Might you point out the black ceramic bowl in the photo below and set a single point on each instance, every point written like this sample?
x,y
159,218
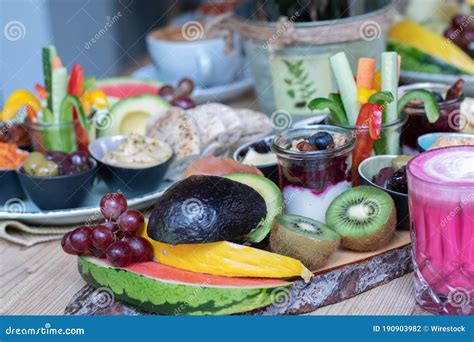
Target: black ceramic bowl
x,y
11,188
129,181
58,192
270,171
368,169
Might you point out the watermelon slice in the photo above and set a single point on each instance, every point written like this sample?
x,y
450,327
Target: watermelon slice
x,y
122,87
155,287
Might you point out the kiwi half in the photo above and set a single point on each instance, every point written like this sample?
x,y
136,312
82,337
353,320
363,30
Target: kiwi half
x,y
364,216
305,239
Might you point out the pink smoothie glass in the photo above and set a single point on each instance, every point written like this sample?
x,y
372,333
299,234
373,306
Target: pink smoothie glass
x,y
441,201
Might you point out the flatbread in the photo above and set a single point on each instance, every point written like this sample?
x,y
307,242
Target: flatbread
x,y
254,125
211,128
231,122
178,130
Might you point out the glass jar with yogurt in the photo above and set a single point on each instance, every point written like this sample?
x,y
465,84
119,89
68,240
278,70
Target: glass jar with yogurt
x,y
311,179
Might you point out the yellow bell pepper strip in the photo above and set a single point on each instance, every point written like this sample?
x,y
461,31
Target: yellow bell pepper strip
x,y
16,101
227,259
363,94
94,99
377,80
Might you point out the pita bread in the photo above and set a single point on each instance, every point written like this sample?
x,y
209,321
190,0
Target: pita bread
x,y
178,130
211,128
255,125
231,122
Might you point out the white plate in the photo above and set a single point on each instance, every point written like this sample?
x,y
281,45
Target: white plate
x,y
26,212
243,82
416,77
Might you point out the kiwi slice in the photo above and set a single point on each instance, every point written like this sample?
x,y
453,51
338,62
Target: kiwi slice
x,y
364,216
302,238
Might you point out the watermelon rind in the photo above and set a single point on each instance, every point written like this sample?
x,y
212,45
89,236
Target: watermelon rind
x,y
165,296
112,81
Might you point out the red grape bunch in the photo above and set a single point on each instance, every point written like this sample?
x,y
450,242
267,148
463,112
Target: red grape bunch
x,y
114,238
179,96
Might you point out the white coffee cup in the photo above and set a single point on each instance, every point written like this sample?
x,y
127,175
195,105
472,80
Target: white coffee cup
x,y
205,61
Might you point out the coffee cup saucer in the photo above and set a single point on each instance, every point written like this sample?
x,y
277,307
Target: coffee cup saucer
x,y
242,82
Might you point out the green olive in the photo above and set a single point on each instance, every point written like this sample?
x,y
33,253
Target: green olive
x,y
47,168
401,161
32,162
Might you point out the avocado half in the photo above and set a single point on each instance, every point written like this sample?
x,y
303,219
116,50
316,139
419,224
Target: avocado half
x,y
201,209
273,200
131,114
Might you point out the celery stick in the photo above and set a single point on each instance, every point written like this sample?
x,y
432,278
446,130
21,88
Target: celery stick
x,y
59,89
346,84
49,53
390,83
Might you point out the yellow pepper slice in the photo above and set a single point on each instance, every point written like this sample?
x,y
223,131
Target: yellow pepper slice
x,y
16,101
228,259
363,94
94,98
377,81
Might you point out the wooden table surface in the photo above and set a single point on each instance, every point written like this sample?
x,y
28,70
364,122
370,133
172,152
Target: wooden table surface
x,y
41,280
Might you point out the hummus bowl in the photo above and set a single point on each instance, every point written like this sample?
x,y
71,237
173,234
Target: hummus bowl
x,y
134,177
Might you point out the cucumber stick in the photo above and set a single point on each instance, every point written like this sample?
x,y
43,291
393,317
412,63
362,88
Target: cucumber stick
x,y
347,86
49,54
59,89
390,84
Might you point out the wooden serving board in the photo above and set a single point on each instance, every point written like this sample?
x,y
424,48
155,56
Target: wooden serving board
x,y
346,275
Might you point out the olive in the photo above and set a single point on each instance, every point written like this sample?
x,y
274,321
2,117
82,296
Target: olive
x,y
32,162
401,161
47,168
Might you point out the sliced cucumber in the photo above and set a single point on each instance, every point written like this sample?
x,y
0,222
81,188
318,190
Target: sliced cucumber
x,y
49,53
59,89
346,84
390,84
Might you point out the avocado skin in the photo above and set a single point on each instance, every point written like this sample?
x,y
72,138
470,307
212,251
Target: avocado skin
x,y
201,209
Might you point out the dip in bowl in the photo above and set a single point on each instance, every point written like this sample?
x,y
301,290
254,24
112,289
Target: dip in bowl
x,y
259,153
133,164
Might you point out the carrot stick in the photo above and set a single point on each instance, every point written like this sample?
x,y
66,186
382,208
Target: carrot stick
x,y
365,73
57,62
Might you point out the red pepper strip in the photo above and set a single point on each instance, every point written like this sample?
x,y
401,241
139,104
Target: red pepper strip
x,y
76,81
82,138
41,91
81,134
370,115
31,113
368,127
